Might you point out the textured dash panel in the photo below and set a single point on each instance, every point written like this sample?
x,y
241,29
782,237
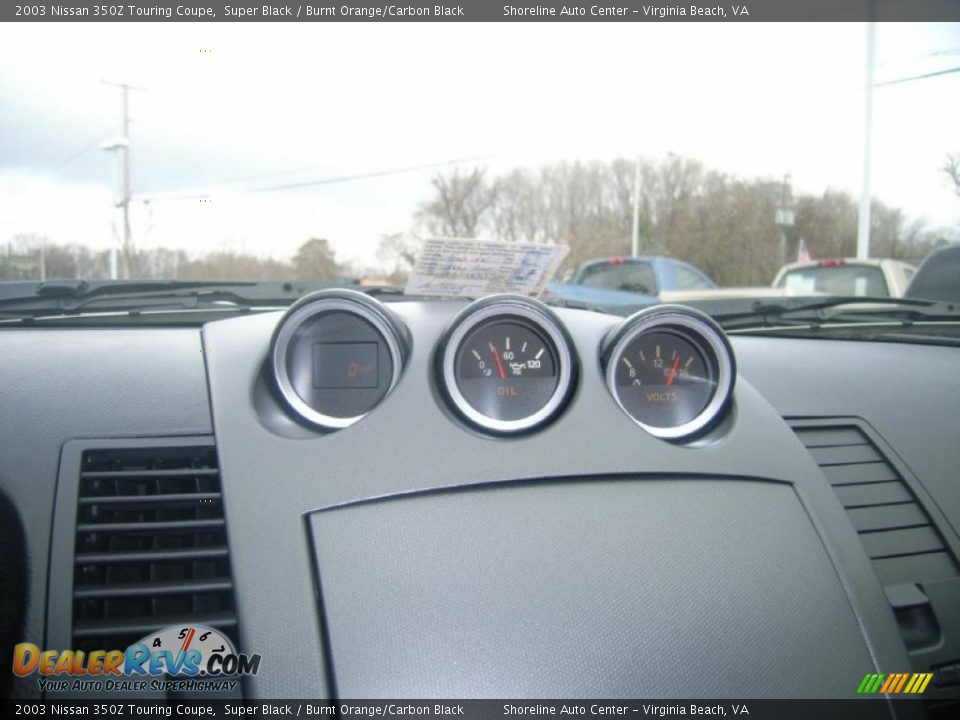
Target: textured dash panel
x,y
602,588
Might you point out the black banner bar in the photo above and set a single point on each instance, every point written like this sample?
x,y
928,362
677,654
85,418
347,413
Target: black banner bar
x,y
482,11
868,707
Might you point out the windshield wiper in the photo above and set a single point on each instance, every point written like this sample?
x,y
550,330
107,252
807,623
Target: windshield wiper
x,y
75,297
604,308
848,309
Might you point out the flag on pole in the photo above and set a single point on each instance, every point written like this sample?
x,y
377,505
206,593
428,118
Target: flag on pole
x,y
803,252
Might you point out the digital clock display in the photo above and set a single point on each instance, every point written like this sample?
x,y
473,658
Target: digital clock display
x,y
345,365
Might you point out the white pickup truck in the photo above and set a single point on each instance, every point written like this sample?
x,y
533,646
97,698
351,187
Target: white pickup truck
x,y
846,276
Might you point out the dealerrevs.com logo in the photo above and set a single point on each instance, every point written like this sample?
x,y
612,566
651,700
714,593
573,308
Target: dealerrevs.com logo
x,y
194,657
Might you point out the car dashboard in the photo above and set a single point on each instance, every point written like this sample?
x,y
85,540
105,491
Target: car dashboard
x,y
803,538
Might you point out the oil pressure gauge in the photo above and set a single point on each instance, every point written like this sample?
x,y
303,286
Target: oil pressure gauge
x,y
671,370
506,365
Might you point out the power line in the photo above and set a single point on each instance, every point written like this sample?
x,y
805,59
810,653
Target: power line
x,y
77,153
82,150
264,176
918,77
364,176
326,181
69,159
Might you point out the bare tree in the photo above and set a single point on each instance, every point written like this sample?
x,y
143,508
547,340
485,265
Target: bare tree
x,y
459,204
951,168
398,252
718,222
518,212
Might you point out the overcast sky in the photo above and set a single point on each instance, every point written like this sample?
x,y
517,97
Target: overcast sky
x,y
278,104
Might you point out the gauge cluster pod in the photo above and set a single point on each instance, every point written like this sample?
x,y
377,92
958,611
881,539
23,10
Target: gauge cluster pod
x,y
671,369
335,355
506,365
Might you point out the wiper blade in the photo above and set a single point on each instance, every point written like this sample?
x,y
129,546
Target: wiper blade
x,y
603,308
16,291
34,300
836,309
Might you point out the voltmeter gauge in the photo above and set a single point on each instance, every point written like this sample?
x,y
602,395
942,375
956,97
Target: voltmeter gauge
x,y
506,364
671,370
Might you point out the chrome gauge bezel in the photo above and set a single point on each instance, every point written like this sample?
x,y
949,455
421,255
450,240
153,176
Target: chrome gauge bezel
x,y
506,308
324,301
698,329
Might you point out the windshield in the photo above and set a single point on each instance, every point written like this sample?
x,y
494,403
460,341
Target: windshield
x,y
330,152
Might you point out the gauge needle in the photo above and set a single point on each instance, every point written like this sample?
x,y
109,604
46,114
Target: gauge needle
x,y
496,358
186,642
672,375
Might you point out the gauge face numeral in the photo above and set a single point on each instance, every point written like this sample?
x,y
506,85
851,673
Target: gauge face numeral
x,y
199,639
502,383
670,389
671,370
507,365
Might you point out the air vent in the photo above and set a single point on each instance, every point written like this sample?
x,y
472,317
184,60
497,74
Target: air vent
x,y
151,546
896,531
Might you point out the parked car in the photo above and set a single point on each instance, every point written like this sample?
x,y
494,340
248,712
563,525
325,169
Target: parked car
x,y
617,282
644,275
640,280
938,277
846,276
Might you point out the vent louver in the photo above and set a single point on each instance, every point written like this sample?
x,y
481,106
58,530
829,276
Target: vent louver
x,y
896,531
151,546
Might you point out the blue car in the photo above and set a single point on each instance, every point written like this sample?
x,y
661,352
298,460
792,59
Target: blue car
x,y
620,281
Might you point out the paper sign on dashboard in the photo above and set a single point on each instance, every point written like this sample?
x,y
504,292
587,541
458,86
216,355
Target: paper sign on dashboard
x,y
453,267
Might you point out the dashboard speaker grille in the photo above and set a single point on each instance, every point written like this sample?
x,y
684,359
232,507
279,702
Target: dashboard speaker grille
x,y
151,546
898,534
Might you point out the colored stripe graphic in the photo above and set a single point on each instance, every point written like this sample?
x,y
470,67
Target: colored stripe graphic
x,y
913,682
894,683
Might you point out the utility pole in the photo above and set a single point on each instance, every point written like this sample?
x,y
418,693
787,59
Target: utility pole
x,y
635,245
863,223
124,202
784,217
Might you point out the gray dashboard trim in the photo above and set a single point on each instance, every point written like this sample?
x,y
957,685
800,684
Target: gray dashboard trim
x,y
63,383
920,492
909,393
942,596
578,577
410,444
